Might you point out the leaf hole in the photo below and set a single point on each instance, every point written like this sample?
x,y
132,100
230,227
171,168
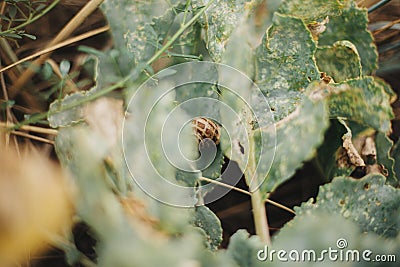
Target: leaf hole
x,y
367,186
241,147
342,202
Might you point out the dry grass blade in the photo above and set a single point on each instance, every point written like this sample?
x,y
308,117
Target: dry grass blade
x,y
57,46
31,128
74,23
33,137
386,27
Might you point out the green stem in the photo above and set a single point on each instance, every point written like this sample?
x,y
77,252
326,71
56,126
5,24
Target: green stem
x,y
257,202
260,217
186,11
37,117
178,33
184,56
41,14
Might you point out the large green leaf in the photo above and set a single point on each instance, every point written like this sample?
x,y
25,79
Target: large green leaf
x,y
383,148
298,137
340,61
395,154
189,45
310,10
221,19
285,63
108,71
69,115
243,249
209,222
362,100
368,202
82,152
250,105
352,26
138,27
309,237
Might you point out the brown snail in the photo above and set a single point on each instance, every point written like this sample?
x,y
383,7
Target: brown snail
x,y
206,128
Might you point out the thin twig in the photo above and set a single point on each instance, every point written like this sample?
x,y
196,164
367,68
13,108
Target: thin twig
x,y
33,137
387,26
276,204
37,117
58,46
8,110
378,5
32,128
205,179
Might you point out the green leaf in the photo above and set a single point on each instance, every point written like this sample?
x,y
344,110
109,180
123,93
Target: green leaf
x,y
126,17
189,45
239,53
368,202
285,64
148,37
340,61
108,72
209,222
46,71
64,112
221,19
10,35
160,136
300,133
30,36
65,66
362,100
352,26
310,10
313,233
388,90
7,104
213,171
383,148
12,11
395,154
243,249
139,29
81,152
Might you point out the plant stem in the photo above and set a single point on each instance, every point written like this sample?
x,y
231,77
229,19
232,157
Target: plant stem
x,y
41,14
186,12
75,104
260,217
276,204
257,202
